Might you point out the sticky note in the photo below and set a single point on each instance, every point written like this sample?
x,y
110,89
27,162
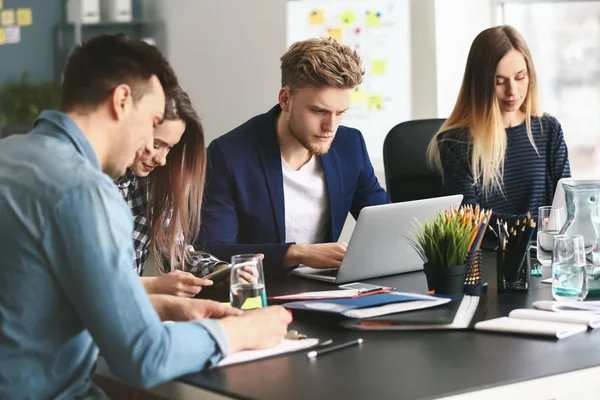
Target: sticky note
x,y
375,102
13,34
7,17
357,95
373,19
335,33
316,17
24,17
2,36
250,303
378,67
347,18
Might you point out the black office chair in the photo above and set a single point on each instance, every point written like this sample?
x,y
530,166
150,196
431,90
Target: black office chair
x,y
407,175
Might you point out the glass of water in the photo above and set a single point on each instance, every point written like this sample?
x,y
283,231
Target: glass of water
x,y
569,279
550,221
247,289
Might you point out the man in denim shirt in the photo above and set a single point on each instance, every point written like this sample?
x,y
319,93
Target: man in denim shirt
x,y
67,289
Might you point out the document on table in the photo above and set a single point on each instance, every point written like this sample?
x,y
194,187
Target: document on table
x,y
286,346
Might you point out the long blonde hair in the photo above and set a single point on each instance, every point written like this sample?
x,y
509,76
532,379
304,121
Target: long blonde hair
x,y
478,111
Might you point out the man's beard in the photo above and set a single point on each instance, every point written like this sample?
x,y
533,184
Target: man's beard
x,y
315,148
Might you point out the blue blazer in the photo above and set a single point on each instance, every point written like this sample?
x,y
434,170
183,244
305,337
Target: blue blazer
x,y
243,207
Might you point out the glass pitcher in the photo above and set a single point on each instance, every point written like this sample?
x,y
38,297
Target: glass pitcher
x,y
583,218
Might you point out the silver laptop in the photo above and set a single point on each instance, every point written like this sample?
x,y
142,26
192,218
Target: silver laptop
x,y
379,244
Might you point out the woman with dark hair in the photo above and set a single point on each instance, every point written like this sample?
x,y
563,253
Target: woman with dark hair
x,y
498,148
163,188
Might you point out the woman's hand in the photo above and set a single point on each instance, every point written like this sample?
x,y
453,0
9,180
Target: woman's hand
x,y
176,283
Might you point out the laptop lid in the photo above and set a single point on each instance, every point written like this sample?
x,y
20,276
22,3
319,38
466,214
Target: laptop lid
x,y
379,245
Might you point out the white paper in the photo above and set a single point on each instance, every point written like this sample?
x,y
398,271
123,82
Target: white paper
x,y
570,317
558,330
286,346
13,34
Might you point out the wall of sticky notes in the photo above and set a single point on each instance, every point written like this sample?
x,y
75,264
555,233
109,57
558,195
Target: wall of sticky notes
x,y
380,31
26,38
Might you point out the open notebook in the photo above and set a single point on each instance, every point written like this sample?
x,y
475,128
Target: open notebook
x,y
553,324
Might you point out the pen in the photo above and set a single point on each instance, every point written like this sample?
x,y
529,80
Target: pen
x,y
315,353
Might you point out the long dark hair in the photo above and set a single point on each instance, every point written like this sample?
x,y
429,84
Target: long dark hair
x,y
177,188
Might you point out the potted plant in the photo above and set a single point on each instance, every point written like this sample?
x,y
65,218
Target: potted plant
x,y
443,244
22,102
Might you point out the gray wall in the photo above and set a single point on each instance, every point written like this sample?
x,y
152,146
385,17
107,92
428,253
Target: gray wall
x,y
226,54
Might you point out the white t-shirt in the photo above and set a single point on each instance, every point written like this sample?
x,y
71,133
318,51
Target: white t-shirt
x,y
306,203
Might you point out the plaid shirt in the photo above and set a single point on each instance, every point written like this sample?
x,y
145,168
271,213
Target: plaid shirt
x,y
136,191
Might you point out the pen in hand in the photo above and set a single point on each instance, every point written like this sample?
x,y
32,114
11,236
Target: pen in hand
x,y
313,354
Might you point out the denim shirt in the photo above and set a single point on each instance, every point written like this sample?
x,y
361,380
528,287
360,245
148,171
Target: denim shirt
x,y
67,289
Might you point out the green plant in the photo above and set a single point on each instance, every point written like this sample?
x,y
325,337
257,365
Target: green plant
x,y
445,241
23,100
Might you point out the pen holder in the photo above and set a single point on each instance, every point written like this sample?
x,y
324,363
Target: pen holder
x,y
513,271
474,286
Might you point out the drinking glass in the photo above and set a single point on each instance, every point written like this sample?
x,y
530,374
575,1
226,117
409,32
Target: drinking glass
x,y
569,279
247,290
550,221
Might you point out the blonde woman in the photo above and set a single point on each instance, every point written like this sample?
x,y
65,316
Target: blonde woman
x,y
498,148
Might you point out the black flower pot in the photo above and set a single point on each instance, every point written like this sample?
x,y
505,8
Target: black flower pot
x,y
446,280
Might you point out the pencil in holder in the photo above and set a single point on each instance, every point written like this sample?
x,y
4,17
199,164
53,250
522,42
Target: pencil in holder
x,y
513,271
474,285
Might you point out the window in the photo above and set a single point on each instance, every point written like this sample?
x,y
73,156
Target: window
x,y
564,39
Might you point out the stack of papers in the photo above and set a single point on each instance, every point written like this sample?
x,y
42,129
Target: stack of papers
x,y
328,294
372,305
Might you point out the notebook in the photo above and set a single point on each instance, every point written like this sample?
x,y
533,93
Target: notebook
x,y
286,346
370,306
590,307
461,313
513,325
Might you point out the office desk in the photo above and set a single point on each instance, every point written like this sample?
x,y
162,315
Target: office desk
x,y
405,365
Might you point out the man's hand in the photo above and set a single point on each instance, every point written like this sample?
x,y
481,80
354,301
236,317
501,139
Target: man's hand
x,y
176,283
257,329
322,255
171,308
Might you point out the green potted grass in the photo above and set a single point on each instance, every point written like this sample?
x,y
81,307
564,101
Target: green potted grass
x,y
22,100
443,244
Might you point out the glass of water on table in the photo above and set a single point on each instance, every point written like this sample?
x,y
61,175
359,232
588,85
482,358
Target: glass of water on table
x,y
247,290
569,278
550,222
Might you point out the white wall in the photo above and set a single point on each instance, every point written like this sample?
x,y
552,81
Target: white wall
x,y
457,23
423,59
226,54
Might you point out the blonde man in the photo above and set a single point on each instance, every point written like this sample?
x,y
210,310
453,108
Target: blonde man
x,y
283,183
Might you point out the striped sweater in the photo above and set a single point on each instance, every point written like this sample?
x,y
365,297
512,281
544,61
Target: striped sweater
x,y
530,177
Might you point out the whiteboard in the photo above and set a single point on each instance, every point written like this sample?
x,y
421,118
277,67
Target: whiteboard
x,y
379,30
